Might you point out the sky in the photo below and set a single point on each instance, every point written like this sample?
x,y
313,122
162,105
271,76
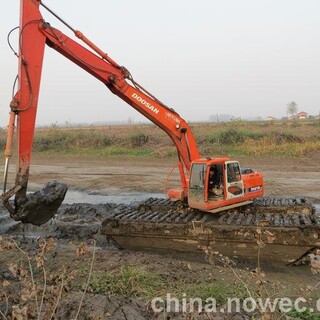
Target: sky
x,y
245,58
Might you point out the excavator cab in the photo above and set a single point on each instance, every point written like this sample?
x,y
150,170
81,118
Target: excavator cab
x,y
218,184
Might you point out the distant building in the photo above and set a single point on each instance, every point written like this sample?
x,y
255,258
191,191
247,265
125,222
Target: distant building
x,y
301,115
269,118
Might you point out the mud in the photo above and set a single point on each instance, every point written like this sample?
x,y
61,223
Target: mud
x,y
80,221
104,307
111,182
41,206
283,177
130,181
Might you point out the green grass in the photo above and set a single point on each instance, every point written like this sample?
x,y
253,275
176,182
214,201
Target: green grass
x,y
306,315
139,283
221,292
128,281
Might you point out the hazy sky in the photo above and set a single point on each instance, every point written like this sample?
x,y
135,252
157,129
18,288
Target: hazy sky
x,y
204,57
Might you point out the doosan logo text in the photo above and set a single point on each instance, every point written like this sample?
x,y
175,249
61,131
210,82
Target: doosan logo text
x,y
145,103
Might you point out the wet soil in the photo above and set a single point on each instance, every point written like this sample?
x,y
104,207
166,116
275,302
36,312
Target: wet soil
x,y
283,176
127,180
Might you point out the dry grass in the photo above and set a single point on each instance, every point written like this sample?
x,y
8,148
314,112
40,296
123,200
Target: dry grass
x,y
281,138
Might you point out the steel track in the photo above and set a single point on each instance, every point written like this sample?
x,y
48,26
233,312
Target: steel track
x,y
289,228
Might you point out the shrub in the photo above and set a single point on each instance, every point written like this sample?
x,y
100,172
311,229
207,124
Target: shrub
x,y
139,139
281,137
66,139
231,136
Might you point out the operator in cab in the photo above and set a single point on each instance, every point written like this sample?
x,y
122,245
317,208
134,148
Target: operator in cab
x,y
215,187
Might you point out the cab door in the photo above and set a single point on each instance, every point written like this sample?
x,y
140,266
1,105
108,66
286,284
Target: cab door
x,y
196,196
233,181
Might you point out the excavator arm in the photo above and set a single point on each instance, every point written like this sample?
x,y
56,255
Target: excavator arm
x,y
35,33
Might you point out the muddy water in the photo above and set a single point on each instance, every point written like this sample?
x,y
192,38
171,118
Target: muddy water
x,y
75,196
79,217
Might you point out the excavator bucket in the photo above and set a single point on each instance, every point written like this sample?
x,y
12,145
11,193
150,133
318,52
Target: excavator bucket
x,y
39,207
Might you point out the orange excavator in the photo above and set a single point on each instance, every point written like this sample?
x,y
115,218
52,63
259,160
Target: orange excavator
x,y
290,227
231,187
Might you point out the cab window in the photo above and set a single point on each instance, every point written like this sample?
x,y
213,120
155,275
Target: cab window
x,y
233,172
198,176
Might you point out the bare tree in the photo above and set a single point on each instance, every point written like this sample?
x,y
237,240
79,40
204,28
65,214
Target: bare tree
x,y
292,108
